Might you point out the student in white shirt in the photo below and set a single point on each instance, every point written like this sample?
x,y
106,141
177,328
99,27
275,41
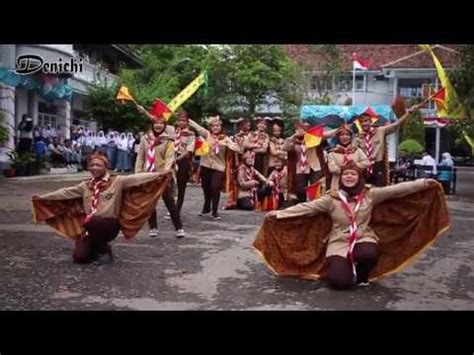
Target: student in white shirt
x,y
428,160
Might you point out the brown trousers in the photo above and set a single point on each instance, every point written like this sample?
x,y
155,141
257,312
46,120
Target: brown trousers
x,y
339,270
100,232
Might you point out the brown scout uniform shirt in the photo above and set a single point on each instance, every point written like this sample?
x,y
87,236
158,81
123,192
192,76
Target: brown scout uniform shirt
x,y
336,161
109,199
378,141
338,242
211,160
275,144
164,153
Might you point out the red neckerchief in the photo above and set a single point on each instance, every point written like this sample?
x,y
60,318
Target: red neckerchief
x,y
368,147
97,187
351,215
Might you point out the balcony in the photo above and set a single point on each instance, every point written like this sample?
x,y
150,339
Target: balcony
x,y
92,74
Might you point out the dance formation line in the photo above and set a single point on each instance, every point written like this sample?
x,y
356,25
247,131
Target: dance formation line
x,y
348,232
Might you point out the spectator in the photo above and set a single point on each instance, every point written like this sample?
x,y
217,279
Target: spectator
x,y
70,154
122,153
46,134
445,176
428,160
131,152
36,133
26,134
101,142
136,146
56,153
89,144
39,147
404,164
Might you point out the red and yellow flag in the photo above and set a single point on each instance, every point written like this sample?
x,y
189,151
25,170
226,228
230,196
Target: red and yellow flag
x,y
201,147
368,112
124,95
313,191
439,99
313,136
453,107
160,109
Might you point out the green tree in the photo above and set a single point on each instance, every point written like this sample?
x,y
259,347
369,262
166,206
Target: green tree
x,y
257,74
241,77
411,146
462,78
414,129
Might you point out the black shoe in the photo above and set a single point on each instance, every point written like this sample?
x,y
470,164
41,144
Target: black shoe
x,y
204,214
104,259
216,217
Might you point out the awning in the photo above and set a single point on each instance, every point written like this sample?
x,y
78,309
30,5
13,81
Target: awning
x,y
437,122
335,115
50,88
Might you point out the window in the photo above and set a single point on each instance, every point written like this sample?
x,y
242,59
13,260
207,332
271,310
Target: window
x,y
45,119
359,82
412,89
47,115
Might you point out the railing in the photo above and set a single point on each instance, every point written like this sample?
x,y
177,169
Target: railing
x,y
93,74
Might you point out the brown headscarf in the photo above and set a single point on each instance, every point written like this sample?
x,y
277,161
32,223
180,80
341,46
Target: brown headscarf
x,y
355,190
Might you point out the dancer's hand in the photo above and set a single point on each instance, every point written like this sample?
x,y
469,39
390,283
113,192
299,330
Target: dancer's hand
x,y
431,182
271,214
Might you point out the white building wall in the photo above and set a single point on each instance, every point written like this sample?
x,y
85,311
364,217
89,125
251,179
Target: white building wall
x,y
21,105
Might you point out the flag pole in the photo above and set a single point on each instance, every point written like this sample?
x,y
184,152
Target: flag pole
x,y
353,83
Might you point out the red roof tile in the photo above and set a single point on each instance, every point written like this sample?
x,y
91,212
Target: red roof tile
x,y
380,55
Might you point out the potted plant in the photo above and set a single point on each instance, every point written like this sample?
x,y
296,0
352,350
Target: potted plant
x,y
22,163
29,159
37,165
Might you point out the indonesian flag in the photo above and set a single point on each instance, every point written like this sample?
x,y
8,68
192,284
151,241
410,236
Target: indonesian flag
x,y
160,109
313,136
313,191
201,146
360,63
439,99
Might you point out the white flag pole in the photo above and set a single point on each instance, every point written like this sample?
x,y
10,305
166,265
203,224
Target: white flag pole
x,y
353,83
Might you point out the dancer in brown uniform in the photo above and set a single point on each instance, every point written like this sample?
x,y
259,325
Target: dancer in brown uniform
x,y
275,146
155,154
358,234
93,212
310,162
212,165
343,153
258,141
184,142
372,141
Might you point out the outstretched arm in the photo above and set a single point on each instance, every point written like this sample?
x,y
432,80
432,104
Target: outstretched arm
x,y
66,193
322,204
329,134
140,178
393,127
381,194
199,129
